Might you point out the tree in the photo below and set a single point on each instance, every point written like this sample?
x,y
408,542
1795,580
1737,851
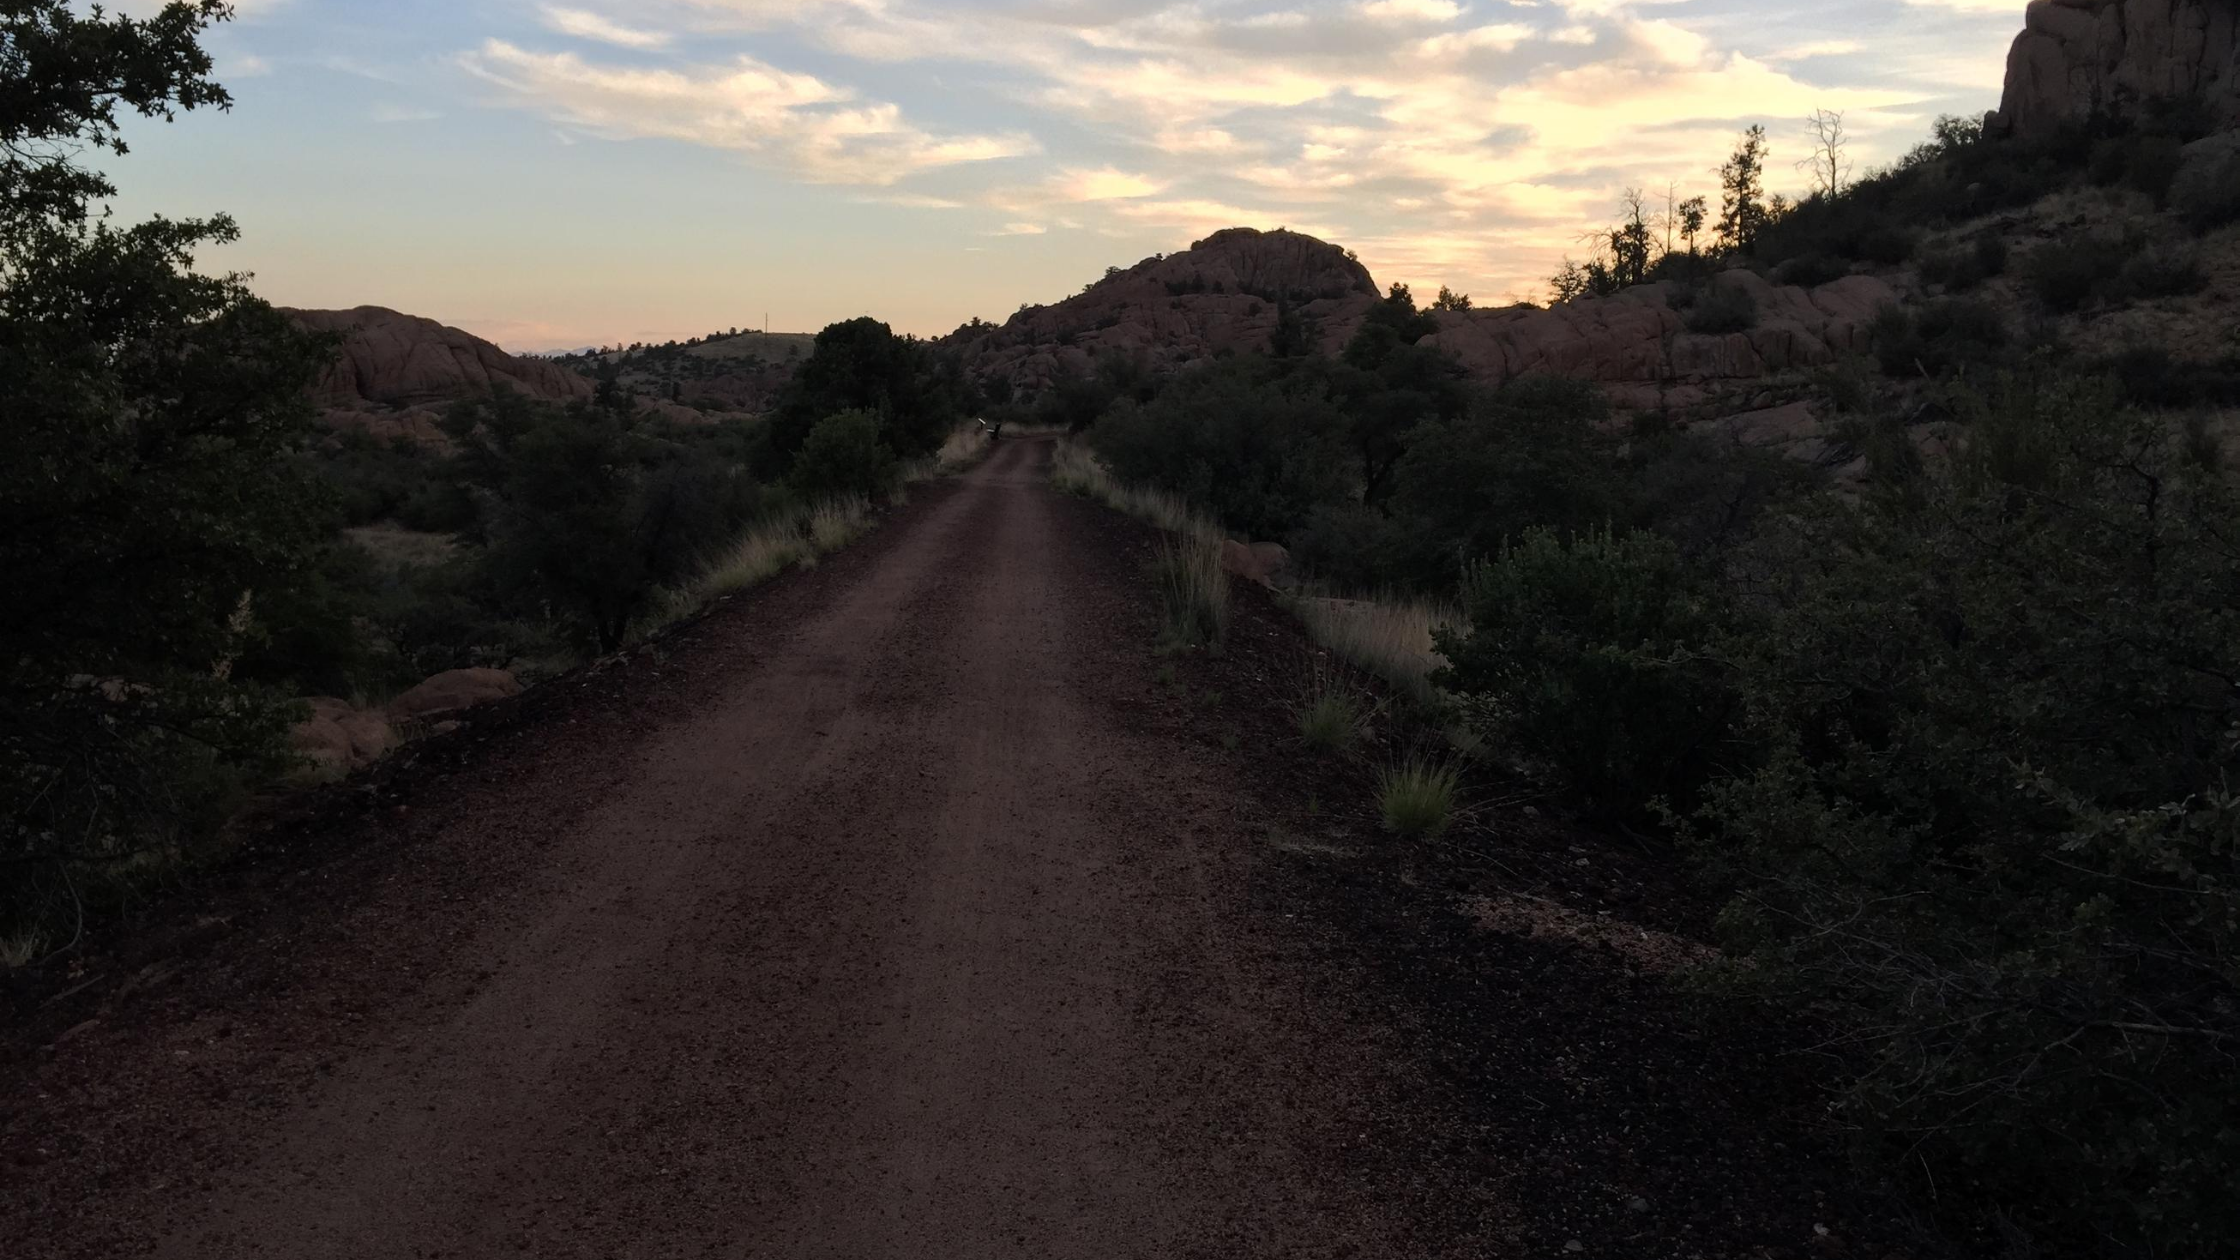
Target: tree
x,y
1569,284
1290,339
1693,211
1449,300
1632,243
1742,207
918,391
1828,165
149,507
587,518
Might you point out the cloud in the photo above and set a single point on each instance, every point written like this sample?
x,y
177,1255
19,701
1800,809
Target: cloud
x,y
1107,184
586,25
798,123
1413,10
1476,138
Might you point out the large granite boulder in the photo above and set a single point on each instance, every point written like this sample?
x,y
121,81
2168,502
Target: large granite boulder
x,y
405,361
2079,58
453,692
341,737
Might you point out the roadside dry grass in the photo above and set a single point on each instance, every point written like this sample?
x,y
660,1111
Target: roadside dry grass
x,y
1389,638
1193,587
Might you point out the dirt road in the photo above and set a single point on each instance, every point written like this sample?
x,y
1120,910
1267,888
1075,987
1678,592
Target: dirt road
x,y
866,922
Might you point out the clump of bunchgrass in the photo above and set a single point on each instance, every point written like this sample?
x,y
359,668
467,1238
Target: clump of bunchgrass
x,y
1417,796
1332,713
762,553
1193,589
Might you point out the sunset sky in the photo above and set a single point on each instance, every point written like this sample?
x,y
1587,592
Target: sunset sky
x,y
553,175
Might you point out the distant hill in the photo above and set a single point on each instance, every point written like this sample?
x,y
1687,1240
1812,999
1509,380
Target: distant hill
x,y
1222,295
722,372
395,372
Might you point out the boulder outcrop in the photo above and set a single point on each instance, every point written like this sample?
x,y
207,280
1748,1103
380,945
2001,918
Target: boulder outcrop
x,y
1636,344
2079,58
340,736
453,692
1225,293
399,360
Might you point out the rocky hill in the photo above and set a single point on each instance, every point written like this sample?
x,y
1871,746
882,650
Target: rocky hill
x,y
393,370
1224,293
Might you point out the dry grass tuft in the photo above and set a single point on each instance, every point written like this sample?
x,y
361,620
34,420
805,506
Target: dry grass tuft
x,y
1192,584
1417,796
1389,639
772,547
1194,589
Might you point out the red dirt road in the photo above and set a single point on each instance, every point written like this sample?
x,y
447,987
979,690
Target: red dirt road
x,y
864,920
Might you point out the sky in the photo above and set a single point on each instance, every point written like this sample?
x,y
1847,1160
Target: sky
x,y
553,175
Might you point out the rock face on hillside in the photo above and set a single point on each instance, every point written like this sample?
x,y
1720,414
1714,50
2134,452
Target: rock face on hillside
x,y
2078,58
1637,346
404,361
1222,294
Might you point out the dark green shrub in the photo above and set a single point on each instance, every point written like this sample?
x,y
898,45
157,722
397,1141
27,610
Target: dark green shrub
x,y
2153,166
1587,657
2067,274
1994,840
842,456
1720,309
1532,453
2173,271
2149,377
2111,157
586,519
1966,267
2206,192
1257,443
1811,270
1886,243
1939,338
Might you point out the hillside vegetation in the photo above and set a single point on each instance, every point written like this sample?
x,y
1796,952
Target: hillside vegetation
x,y
189,552
1943,711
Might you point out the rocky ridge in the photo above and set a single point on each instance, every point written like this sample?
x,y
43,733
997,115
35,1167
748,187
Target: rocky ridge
x,y
1225,294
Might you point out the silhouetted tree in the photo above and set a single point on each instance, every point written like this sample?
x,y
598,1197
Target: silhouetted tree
x,y
1742,206
149,504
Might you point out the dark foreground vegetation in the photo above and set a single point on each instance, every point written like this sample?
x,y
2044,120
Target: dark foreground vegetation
x,y
1946,721
187,553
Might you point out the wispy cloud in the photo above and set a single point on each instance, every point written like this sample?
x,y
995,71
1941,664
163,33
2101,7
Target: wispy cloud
x,y
584,24
814,130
